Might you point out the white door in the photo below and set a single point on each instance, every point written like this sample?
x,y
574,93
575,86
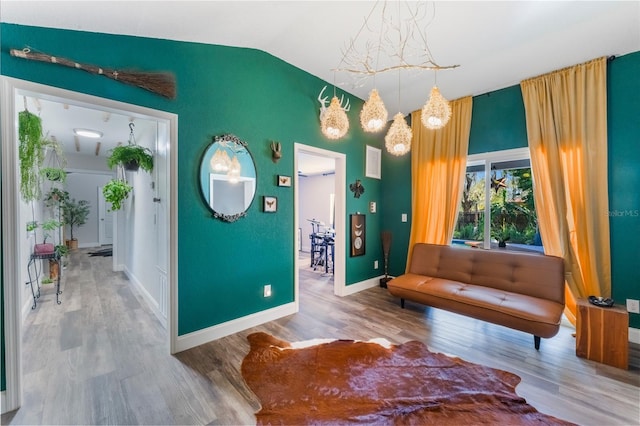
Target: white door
x,y
105,221
161,199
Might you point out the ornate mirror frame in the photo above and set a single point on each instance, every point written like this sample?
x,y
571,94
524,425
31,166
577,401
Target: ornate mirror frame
x,y
231,147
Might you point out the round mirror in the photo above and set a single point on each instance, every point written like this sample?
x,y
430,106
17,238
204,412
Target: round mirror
x,y
228,177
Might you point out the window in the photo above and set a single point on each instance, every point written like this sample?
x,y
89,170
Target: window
x,y
502,181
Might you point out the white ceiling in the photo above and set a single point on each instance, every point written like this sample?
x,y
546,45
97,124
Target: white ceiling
x,y
496,44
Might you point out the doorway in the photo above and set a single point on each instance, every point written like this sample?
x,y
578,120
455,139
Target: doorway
x,y
335,213
12,220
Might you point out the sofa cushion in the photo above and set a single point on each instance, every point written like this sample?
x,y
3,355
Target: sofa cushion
x,y
523,306
529,274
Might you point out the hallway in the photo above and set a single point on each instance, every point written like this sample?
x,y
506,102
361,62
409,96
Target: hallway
x,y
101,357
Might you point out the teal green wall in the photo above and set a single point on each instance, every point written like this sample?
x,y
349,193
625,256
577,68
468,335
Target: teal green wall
x,y
222,267
498,123
623,105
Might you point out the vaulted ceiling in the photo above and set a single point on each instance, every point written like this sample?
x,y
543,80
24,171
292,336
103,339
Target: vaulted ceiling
x,y
496,44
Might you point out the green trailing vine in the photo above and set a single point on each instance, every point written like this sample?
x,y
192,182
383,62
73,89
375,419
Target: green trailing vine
x,y
31,154
115,192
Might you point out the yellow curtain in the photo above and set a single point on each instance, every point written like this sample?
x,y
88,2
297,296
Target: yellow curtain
x,y
566,114
438,165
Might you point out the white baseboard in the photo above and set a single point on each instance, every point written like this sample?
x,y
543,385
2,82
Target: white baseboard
x,y
362,285
149,300
197,338
634,335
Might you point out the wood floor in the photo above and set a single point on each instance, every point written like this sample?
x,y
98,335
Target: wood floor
x,y
101,357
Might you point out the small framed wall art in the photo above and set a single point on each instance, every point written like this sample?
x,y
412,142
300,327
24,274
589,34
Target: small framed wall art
x,y
358,228
269,204
284,180
373,160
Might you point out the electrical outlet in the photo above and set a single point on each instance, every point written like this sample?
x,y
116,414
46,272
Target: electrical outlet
x,y
375,264
633,306
267,290
404,217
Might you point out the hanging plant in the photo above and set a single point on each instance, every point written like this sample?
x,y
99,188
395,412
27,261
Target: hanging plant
x,y
52,167
32,226
131,157
115,192
30,153
53,174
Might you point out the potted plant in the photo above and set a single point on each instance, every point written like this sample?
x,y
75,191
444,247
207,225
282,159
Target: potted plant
x,y
131,157
47,227
502,235
115,192
46,281
74,214
61,250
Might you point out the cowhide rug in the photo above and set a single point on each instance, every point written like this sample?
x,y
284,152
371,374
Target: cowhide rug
x,y
350,382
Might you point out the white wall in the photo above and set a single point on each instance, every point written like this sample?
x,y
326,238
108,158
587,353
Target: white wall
x,y
84,186
313,203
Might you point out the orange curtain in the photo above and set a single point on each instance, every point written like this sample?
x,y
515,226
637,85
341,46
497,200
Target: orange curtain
x,y
438,165
566,114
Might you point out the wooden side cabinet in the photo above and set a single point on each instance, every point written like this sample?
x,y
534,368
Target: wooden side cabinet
x,y
602,334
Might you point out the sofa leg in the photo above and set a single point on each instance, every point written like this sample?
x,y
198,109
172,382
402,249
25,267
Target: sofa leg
x,y
536,342
402,303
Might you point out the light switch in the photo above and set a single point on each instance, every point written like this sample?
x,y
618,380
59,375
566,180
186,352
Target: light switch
x,y
404,217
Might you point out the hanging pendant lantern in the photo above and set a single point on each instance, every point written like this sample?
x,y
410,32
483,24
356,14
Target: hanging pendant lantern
x,y
374,114
398,139
436,112
334,122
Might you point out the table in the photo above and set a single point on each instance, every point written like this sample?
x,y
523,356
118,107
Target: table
x,y
33,265
602,334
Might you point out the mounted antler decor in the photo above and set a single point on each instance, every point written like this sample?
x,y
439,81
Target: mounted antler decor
x,y
162,84
276,151
334,122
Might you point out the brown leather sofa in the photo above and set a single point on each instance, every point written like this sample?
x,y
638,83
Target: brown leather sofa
x,y
523,291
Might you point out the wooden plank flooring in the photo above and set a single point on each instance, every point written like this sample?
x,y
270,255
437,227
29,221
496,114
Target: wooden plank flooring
x,y
101,357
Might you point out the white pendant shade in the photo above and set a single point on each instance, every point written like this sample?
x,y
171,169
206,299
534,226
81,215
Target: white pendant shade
x,y
334,123
398,139
436,112
373,115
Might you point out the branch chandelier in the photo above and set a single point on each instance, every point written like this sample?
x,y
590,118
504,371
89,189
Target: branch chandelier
x,y
396,44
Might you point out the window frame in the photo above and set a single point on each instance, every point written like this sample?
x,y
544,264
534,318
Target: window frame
x,y
487,159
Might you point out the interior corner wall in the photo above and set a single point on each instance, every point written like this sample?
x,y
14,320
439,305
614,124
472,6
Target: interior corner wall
x,y
246,92
498,123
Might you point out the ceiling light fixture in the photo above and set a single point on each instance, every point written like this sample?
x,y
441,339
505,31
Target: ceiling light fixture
x,y
88,133
334,122
436,111
411,52
373,115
